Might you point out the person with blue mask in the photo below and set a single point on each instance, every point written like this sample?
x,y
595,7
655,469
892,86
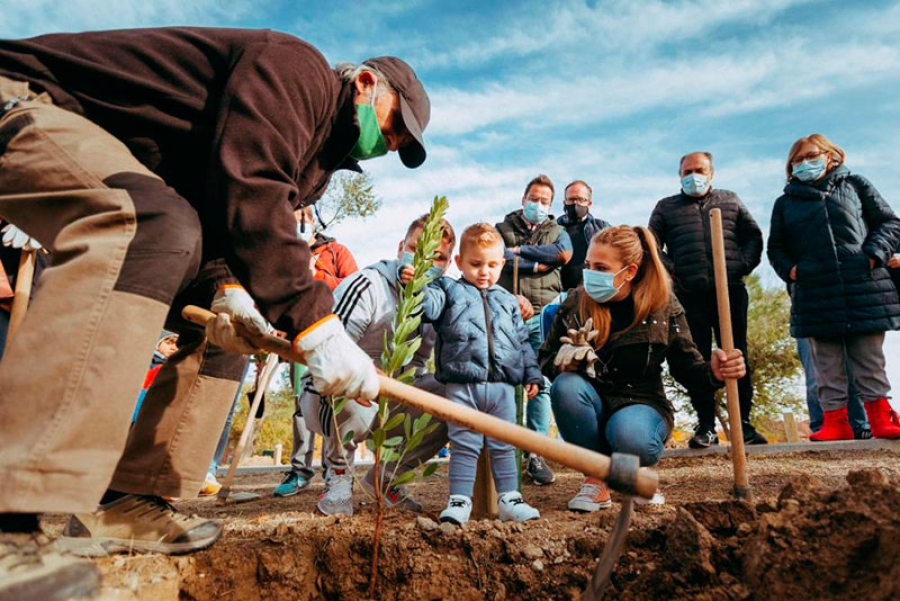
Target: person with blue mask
x,y
608,393
831,237
537,247
682,228
366,302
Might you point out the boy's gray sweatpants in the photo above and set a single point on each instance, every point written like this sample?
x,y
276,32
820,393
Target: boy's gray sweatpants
x,y
493,398
320,418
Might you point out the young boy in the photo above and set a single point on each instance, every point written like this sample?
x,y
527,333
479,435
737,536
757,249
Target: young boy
x,y
482,354
366,303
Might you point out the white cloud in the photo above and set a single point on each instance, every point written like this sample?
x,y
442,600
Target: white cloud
x,y
37,17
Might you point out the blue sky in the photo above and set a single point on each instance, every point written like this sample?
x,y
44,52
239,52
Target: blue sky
x,y
612,92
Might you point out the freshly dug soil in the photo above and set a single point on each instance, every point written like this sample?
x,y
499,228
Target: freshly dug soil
x,y
821,526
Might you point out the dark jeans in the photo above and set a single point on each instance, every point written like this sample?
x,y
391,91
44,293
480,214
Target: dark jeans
x,y
702,314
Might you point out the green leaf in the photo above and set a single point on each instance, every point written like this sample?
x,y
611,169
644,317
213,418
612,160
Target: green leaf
x,y
393,441
407,426
430,469
421,422
348,437
395,421
403,478
339,405
370,445
389,455
378,438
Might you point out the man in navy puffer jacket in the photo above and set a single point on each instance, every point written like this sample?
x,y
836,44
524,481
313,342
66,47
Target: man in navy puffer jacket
x,y
482,354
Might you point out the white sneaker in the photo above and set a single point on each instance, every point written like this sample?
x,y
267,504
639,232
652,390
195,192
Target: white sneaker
x,y
458,510
514,509
658,498
337,498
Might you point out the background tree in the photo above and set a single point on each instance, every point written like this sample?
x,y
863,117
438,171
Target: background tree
x,y
777,371
349,195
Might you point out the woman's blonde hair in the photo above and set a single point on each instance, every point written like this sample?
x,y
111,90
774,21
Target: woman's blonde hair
x,y
651,286
834,152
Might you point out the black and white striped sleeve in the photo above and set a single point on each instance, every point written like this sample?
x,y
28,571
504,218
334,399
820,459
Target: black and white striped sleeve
x,y
355,304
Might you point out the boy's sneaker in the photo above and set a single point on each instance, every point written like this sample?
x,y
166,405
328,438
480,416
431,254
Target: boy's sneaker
x,y
337,498
31,569
137,523
293,483
394,496
538,470
211,486
593,496
514,509
458,510
703,438
658,498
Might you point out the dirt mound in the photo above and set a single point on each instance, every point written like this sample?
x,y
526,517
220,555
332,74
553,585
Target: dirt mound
x,y
817,539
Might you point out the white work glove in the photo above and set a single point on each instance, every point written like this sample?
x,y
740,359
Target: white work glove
x,y
234,306
16,238
337,365
578,348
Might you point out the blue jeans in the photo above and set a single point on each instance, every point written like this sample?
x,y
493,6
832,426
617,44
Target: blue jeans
x,y
855,410
537,412
583,420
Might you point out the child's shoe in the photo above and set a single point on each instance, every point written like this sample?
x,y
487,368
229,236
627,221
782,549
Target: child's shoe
x,y
458,510
337,498
883,419
593,496
835,426
514,509
211,486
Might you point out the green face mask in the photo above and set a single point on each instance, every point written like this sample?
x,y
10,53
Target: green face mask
x,y
371,142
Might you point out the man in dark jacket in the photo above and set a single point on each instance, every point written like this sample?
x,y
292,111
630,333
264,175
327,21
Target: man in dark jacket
x,y
581,227
682,228
136,157
536,248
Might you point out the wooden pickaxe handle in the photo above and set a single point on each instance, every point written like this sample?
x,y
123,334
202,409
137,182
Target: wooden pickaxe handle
x,y
585,461
739,458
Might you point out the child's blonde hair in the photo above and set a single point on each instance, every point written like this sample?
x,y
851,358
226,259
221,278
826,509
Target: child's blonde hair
x,y
481,235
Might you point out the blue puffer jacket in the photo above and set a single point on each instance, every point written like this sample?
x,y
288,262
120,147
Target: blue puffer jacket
x,y
480,334
830,229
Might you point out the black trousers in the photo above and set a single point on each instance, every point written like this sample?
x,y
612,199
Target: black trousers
x,y
702,314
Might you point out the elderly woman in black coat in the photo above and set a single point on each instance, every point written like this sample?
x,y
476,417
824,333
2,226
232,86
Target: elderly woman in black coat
x,y
831,236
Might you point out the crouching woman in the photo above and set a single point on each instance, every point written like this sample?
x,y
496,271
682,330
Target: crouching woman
x,y
608,393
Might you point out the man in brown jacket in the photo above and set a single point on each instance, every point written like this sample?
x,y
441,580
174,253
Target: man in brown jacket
x,y
161,167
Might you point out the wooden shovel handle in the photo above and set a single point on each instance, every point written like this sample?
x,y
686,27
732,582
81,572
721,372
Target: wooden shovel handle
x,y
585,461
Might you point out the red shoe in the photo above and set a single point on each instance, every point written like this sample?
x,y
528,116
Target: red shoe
x,y
835,426
882,419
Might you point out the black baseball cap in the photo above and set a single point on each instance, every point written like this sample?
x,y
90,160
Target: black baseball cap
x,y
415,107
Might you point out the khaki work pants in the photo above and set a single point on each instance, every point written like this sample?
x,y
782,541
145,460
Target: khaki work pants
x,y
124,248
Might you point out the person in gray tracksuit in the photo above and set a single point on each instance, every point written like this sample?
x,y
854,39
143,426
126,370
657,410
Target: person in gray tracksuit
x,y
366,303
482,353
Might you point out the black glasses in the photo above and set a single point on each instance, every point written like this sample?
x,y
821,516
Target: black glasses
x,y
578,200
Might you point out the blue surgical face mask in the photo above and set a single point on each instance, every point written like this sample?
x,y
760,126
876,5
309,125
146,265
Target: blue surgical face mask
x,y
809,170
536,212
434,272
599,284
694,184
